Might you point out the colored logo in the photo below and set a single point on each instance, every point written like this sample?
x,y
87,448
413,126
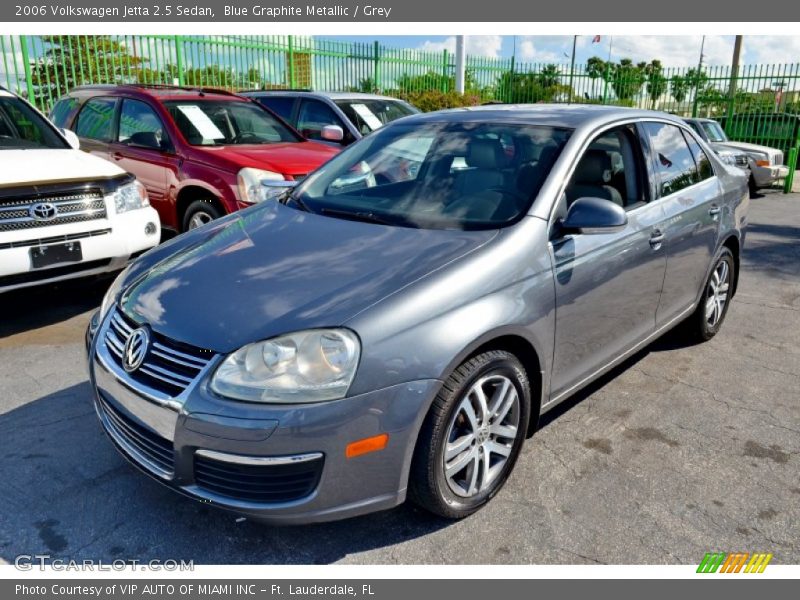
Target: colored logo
x,y
734,562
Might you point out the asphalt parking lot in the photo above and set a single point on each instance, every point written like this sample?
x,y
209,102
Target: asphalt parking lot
x,y
680,451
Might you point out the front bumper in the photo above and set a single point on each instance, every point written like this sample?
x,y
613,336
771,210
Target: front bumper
x,y
766,176
173,440
106,246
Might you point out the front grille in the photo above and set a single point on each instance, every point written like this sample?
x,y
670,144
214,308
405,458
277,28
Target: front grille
x,y
777,158
54,239
169,366
16,213
154,448
258,483
43,274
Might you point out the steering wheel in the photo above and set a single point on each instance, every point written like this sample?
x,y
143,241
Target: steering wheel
x,y
245,135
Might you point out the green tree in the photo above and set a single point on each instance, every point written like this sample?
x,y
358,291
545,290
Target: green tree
x,y
69,61
656,81
549,76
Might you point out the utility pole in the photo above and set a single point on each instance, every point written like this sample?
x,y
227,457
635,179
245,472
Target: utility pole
x,y
460,63
697,78
572,67
737,53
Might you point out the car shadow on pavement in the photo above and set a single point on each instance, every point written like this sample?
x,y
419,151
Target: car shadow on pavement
x,y
36,307
68,493
674,339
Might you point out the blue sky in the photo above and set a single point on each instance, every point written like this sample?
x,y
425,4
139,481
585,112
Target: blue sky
x,y
673,51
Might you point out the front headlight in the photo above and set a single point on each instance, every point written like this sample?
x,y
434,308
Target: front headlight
x,y
256,185
307,366
112,294
130,197
728,158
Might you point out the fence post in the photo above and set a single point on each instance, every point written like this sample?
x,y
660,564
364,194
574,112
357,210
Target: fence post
x,y
376,72
291,62
179,59
26,62
792,164
445,64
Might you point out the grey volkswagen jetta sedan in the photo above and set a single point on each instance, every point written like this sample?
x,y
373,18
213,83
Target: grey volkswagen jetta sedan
x,y
396,324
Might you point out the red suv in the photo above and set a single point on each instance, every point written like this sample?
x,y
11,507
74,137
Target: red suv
x,y
200,153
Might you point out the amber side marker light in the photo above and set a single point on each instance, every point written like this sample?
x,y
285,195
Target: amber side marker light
x,y
762,163
370,444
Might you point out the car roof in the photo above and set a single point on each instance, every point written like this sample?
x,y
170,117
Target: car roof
x,y
162,92
329,95
555,115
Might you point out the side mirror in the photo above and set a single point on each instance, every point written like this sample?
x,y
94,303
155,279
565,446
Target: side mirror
x,y
145,139
332,133
72,139
595,215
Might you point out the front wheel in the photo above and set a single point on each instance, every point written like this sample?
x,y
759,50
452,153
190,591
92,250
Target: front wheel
x,y
198,213
710,313
472,435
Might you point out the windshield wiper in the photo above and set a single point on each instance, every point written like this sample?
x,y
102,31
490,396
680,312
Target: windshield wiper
x,y
367,217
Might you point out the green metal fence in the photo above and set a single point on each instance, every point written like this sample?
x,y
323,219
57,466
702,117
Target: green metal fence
x,y
757,103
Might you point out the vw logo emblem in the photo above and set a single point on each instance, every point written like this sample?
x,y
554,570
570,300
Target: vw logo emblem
x,y
43,211
135,349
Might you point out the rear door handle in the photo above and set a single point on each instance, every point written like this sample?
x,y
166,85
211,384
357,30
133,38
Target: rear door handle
x,y
714,210
656,239
117,155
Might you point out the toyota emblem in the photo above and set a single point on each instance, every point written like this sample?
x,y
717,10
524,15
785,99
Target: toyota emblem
x,y
135,349
43,211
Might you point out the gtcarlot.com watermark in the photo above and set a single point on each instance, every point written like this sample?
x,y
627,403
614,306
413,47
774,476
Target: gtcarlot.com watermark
x,y
30,562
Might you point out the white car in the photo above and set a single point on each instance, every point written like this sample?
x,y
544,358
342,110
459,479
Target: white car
x,y
63,212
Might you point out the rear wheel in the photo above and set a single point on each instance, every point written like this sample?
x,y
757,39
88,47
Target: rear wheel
x,y
710,313
198,213
472,435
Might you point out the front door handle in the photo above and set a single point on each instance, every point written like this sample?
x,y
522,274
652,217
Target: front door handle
x,y
656,239
117,155
714,210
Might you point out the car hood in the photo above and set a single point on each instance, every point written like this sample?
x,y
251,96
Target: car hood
x,y
290,158
746,147
273,269
52,165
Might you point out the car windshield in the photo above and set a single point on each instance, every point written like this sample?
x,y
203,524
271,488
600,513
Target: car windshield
x,y
369,115
224,123
714,132
437,175
21,127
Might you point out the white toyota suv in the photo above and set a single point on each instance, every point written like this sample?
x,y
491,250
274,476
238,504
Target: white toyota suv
x,y
63,212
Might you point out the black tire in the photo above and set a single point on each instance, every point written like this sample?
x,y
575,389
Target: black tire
x,y
753,188
428,486
200,209
698,327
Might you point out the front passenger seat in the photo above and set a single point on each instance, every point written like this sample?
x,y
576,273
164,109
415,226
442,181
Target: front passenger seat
x,y
485,157
592,177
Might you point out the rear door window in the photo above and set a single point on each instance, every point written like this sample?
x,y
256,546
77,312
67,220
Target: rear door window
x,y
673,161
280,105
96,119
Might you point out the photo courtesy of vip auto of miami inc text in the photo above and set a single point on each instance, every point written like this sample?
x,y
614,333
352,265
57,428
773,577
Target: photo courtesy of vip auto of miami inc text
x,y
324,299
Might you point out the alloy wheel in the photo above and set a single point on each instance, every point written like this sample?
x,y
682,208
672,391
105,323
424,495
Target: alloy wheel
x,y
199,219
717,293
481,435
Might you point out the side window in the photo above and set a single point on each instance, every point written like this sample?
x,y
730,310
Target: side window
x,y
62,112
314,115
704,168
96,119
611,168
139,125
280,105
673,161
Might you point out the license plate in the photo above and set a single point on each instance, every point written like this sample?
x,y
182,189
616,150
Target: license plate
x,y
45,256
